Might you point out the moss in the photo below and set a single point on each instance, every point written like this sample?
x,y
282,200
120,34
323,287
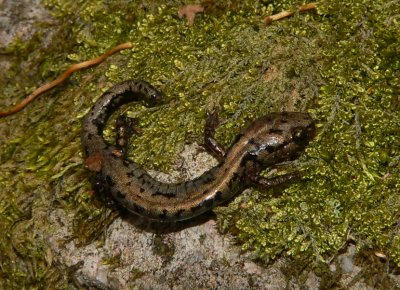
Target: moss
x,y
113,261
352,183
340,69
163,249
136,274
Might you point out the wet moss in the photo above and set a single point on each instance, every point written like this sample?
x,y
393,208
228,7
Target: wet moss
x,y
341,69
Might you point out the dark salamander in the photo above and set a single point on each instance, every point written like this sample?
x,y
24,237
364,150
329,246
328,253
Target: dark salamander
x,y
268,140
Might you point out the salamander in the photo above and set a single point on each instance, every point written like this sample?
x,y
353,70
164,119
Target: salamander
x,y
271,139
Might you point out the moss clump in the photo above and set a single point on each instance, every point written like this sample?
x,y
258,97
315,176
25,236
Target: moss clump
x,y
341,69
163,249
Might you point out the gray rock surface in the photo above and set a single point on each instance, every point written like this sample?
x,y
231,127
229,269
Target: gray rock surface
x,y
17,20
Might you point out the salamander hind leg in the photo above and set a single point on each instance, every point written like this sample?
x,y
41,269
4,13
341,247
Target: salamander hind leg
x,y
125,128
101,190
210,143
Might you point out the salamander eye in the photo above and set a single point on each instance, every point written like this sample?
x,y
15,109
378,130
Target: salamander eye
x,y
299,135
155,97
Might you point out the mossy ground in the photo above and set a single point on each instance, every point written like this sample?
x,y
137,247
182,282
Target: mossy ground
x,y
340,63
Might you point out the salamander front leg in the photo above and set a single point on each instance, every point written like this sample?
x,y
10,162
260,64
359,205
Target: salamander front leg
x,y
125,128
211,144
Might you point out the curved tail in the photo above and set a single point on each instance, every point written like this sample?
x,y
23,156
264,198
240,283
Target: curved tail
x,y
120,94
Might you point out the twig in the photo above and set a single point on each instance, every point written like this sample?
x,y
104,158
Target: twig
x,y
268,20
63,77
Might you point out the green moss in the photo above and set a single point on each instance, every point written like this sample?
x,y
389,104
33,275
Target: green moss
x,y
340,69
163,249
351,189
136,274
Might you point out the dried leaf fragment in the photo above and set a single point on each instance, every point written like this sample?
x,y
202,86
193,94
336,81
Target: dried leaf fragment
x,y
189,11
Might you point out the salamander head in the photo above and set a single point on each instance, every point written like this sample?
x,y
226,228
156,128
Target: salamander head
x,y
154,95
280,136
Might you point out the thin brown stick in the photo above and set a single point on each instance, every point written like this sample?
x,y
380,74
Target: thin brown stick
x,y
268,20
63,77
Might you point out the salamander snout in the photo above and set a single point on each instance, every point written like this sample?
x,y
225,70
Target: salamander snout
x,y
280,136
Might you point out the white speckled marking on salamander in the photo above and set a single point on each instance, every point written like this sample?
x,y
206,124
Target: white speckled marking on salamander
x,y
268,140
